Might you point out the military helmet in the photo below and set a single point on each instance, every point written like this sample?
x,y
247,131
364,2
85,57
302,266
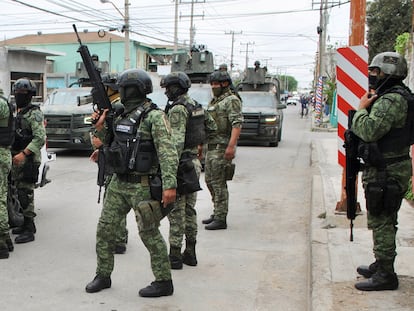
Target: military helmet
x,y
220,76
257,63
223,66
178,78
24,85
136,77
390,63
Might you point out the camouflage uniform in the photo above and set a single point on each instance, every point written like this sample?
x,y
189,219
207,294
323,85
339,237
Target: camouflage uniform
x,y
5,166
388,111
32,120
183,216
121,196
226,111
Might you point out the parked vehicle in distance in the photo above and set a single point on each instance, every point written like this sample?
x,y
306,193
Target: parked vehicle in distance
x,y
263,118
292,101
68,124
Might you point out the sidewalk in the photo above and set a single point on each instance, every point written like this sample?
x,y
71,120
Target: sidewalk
x,y
335,258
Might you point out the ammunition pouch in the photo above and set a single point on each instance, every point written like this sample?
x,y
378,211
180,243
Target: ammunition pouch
x,y
30,170
229,171
383,198
187,179
371,154
156,187
151,212
118,157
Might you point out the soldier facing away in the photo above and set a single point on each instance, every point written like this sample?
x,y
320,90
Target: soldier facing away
x,y
141,154
382,123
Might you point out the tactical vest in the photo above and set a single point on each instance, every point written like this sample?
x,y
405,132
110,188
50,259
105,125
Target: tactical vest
x,y
7,131
128,152
398,138
195,133
23,135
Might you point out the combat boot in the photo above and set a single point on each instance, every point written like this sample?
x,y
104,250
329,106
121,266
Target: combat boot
x,y
368,271
158,289
28,233
379,281
208,220
4,251
189,255
176,260
98,283
120,249
216,225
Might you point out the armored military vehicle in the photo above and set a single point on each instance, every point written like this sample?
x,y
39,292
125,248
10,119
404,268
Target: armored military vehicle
x,y
262,109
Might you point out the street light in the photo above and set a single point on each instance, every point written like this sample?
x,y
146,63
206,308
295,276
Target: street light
x,y
125,16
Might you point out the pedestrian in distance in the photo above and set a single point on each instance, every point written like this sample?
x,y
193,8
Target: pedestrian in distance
x,y
382,122
144,162
188,121
6,139
30,137
226,110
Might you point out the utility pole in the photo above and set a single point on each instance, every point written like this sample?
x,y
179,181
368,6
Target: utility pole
x,y
357,22
126,20
192,28
176,27
247,51
232,33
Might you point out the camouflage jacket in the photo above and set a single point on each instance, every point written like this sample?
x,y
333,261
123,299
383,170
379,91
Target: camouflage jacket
x,y
387,112
178,116
4,112
33,121
226,111
156,127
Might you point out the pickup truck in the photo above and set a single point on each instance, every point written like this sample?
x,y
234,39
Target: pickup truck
x,y
68,124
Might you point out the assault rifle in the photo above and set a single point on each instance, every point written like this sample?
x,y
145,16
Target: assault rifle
x,y
352,167
99,95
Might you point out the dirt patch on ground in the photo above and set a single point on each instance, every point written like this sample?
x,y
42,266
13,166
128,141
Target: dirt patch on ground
x,y
347,298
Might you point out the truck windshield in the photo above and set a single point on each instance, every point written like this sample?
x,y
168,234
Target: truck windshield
x,y
63,97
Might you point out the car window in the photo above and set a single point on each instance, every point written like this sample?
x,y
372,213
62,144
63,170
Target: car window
x,y
63,97
257,99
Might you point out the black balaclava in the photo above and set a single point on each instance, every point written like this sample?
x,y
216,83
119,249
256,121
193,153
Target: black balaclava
x,y
23,99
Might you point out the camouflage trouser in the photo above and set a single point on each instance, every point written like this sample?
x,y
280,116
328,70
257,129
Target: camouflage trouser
x,y
384,226
122,231
183,216
5,166
119,199
25,192
215,178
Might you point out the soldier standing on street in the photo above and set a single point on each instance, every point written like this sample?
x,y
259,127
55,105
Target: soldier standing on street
x,y
383,123
109,82
6,139
141,151
226,110
29,139
188,129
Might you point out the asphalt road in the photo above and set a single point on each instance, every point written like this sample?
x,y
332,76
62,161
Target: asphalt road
x,y
261,262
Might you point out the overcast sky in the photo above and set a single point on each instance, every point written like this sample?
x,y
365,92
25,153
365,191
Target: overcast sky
x,y
279,33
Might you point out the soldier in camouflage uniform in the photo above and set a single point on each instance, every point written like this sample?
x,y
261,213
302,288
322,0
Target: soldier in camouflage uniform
x,y
109,82
188,137
141,148
29,139
6,136
226,110
382,123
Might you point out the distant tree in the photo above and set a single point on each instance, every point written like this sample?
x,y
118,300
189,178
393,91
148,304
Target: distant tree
x,y
288,83
386,20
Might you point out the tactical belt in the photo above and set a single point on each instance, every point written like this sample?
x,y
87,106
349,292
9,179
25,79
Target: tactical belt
x,y
390,161
132,178
216,146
